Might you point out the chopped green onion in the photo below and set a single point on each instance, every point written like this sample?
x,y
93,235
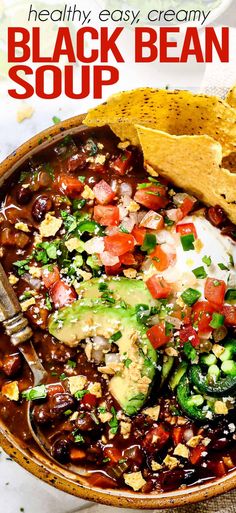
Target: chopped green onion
x,y
168,221
71,364
200,273
78,439
123,229
77,204
217,320
113,423
190,352
105,460
116,336
48,303
149,243
142,313
102,286
223,267
207,260
187,242
68,412
230,295
107,296
127,362
80,394
168,328
190,296
56,120
32,394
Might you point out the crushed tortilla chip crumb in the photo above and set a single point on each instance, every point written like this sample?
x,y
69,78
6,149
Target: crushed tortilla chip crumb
x,y
24,112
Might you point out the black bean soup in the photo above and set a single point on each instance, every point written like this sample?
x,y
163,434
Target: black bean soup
x,y
141,391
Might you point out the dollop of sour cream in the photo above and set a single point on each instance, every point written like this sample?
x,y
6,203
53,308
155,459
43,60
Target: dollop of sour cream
x,y
209,243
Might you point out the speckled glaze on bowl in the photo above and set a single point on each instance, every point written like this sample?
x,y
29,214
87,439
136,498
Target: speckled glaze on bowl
x,y
34,460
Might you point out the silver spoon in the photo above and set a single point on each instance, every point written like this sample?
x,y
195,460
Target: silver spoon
x,y
17,328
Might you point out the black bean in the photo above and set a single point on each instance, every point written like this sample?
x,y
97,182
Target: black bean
x,y
41,414
23,195
41,206
61,450
59,403
85,422
171,479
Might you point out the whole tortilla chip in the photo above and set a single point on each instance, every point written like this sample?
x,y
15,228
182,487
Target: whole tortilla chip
x,y
174,112
231,97
192,163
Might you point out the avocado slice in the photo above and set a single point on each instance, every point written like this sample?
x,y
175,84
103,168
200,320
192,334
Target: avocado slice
x,y
131,291
131,384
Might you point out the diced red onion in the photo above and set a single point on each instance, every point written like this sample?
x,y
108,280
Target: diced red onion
x,y
128,223
94,245
174,321
151,220
112,358
108,259
100,345
35,283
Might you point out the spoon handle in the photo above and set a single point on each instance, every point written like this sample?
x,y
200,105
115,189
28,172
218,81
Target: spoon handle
x,y
17,328
15,324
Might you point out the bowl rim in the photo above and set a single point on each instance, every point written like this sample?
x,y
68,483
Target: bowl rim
x,y
43,468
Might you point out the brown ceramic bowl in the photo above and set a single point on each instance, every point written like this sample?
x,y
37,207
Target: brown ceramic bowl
x,y
34,460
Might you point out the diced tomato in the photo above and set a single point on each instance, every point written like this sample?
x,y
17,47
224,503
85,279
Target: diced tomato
x,y
100,480
122,163
229,311
153,197
196,454
55,388
89,401
62,294
119,243
69,185
156,438
77,454
103,192
139,234
37,315
188,334
187,205
128,259
113,453
75,161
50,277
183,314
157,335
216,215
219,468
106,215
186,229
113,270
214,291
158,287
177,435
159,258
202,316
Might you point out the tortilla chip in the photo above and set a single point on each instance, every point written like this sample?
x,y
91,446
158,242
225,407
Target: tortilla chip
x,y
193,163
231,97
174,112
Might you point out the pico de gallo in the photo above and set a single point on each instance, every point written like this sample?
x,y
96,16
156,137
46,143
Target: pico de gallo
x,y
124,280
